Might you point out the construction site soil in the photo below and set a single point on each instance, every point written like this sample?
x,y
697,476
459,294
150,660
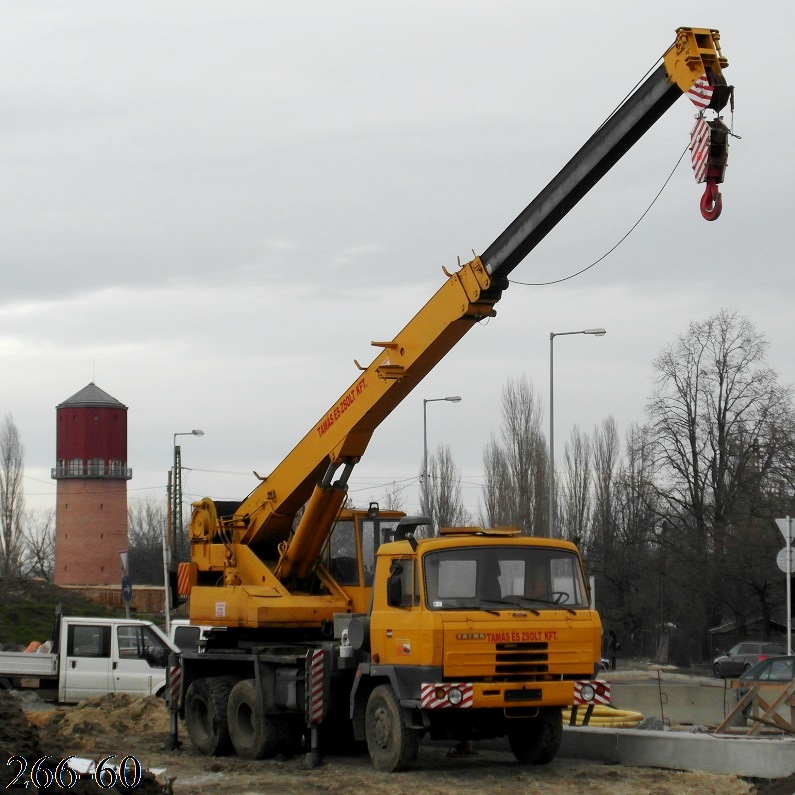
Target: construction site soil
x,y
128,726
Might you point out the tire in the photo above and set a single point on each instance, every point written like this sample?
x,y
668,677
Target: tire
x,y
716,671
537,741
254,735
391,744
205,715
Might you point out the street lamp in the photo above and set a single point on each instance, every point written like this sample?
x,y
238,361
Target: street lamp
x,y
596,332
175,514
425,402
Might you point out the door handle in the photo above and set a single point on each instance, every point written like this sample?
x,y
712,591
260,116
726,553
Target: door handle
x,y
74,663
115,664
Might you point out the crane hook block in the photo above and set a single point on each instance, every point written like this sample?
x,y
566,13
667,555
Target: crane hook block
x,y
709,152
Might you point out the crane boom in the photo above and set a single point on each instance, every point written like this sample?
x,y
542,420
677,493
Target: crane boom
x,y
264,520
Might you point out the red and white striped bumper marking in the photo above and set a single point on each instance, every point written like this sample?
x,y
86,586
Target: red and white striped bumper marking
x,y
434,696
317,705
601,691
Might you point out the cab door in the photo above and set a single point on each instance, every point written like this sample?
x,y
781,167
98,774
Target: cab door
x,y
139,661
396,631
86,666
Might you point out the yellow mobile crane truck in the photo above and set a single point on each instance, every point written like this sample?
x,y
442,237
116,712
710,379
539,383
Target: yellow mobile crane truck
x,y
347,624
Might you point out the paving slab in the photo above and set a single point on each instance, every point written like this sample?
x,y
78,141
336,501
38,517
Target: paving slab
x,y
757,757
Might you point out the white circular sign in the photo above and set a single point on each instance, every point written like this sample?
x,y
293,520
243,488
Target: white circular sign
x,y
781,559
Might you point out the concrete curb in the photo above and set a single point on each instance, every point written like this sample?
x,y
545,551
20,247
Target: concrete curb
x,y
757,757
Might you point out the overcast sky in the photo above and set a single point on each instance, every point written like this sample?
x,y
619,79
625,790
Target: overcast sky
x,y
210,209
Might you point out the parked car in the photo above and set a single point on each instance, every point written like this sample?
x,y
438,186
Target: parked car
x,y
773,669
744,655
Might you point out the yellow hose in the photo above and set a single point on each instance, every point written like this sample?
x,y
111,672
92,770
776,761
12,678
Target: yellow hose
x,y
605,716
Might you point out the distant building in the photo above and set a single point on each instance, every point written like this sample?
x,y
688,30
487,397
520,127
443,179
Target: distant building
x,y
91,501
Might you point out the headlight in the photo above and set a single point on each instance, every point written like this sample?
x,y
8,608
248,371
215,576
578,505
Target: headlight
x,y
587,692
455,696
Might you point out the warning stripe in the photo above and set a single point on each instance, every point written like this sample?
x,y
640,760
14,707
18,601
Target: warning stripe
x,y
601,691
174,683
434,696
183,579
700,138
316,708
701,93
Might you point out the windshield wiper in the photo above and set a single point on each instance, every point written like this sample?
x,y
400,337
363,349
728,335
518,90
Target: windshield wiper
x,y
553,603
509,604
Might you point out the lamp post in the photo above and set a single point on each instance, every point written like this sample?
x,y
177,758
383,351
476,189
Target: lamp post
x,y
596,332
175,513
425,402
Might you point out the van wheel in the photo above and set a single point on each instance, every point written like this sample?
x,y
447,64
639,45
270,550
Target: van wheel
x,y
536,741
205,715
392,745
254,735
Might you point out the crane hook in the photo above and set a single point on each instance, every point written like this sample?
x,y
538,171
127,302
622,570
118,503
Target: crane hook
x,y
711,201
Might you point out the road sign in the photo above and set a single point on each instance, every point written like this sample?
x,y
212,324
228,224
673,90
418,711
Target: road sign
x,y
781,559
784,526
126,589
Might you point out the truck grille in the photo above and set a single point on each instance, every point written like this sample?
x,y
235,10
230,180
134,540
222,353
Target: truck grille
x,y
522,658
504,661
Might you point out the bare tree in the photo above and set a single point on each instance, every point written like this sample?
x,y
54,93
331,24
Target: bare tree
x,y
444,504
574,504
12,498
498,494
39,537
146,523
515,492
722,430
393,496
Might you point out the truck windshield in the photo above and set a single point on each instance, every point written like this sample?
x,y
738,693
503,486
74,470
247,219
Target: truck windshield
x,y
503,577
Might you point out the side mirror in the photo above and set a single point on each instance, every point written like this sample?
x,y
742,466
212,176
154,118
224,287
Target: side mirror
x,y
156,656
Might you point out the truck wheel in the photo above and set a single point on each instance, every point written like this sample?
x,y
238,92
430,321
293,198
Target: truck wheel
x,y
205,715
392,745
536,741
254,735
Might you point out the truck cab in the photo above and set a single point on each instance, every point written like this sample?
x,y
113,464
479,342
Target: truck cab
x,y
477,634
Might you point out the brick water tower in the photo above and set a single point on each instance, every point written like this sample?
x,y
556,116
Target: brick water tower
x,y
92,475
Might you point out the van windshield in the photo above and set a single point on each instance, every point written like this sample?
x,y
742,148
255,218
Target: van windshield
x,y
504,577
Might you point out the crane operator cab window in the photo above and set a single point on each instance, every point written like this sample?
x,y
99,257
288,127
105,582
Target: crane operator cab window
x,y
343,563
489,577
341,555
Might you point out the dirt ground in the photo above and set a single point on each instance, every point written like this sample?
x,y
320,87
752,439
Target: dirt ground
x,y
125,725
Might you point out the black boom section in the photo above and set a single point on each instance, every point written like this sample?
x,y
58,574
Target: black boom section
x,y
602,151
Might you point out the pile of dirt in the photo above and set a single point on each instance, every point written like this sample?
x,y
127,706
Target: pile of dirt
x,y
108,721
34,744
17,736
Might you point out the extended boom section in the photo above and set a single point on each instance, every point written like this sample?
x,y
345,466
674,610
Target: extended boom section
x,y
694,54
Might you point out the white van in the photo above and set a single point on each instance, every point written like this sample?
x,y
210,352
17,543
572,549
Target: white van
x,y
91,657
